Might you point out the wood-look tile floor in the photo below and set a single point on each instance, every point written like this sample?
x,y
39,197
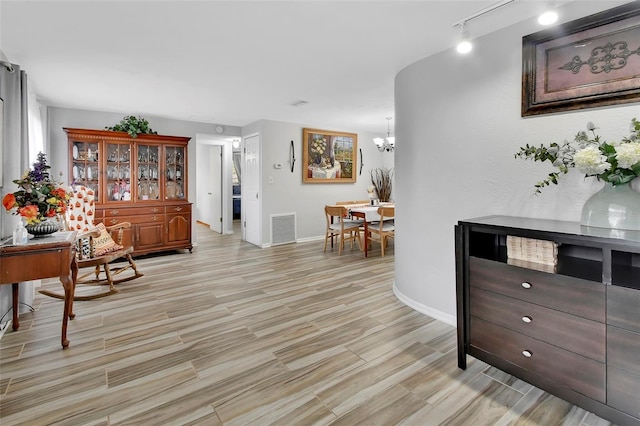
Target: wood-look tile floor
x,y
236,335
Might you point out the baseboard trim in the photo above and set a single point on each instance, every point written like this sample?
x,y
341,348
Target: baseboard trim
x,y
424,309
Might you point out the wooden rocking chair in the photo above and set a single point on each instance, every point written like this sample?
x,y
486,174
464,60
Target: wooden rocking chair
x,y
98,248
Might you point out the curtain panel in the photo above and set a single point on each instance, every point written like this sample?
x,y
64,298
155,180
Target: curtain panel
x,y
15,161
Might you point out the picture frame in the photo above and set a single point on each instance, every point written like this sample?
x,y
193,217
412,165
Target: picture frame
x,y
328,156
590,62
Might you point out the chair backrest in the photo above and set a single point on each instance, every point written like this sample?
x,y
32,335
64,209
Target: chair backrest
x,y
82,208
386,211
339,212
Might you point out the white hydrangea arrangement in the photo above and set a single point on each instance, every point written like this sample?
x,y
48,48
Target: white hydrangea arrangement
x,y
614,162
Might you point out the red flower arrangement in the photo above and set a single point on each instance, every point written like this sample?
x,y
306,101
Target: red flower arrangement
x,y
38,198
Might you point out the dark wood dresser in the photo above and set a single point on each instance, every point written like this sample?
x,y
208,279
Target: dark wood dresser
x,y
572,329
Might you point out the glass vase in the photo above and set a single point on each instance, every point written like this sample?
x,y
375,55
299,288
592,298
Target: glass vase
x,y
615,207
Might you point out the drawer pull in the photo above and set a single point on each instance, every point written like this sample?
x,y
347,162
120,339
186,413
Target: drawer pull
x,y
178,209
155,210
114,212
526,319
154,218
526,285
527,353
113,221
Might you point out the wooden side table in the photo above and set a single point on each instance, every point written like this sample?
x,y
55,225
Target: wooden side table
x,y
51,256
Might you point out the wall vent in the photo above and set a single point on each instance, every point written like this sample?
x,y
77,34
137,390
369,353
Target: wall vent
x,y
283,228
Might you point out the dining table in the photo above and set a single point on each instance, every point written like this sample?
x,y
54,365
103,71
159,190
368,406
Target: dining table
x,y
368,214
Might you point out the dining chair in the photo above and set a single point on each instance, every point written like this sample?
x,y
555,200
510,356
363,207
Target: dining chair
x,y
383,230
98,247
339,225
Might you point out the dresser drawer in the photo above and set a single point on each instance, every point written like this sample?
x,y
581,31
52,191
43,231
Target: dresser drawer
x,y
623,308
570,332
574,371
623,349
623,391
568,294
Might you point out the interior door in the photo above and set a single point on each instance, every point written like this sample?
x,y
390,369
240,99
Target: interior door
x,y
215,177
251,211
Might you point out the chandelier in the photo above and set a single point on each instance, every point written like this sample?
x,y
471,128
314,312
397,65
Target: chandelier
x,y
387,144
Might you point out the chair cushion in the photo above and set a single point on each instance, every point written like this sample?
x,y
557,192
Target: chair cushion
x,y
104,243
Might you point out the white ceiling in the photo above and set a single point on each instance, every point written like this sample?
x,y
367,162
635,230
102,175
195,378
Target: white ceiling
x,y
235,62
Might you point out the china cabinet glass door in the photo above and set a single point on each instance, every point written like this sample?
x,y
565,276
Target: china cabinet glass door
x,y
85,170
148,172
174,169
118,172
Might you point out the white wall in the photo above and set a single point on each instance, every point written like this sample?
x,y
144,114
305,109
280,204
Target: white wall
x,y
457,129
288,194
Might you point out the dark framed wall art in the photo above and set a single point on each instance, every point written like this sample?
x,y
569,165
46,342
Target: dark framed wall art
x,y
590,62
328,156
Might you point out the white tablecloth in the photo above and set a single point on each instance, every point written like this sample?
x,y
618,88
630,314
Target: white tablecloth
x,y
370,212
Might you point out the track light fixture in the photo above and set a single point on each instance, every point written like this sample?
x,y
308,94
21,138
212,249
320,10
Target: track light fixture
x,y
549,16
465,46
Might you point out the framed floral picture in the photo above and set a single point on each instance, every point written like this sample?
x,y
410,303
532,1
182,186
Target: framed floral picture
x,y
590,62
328,156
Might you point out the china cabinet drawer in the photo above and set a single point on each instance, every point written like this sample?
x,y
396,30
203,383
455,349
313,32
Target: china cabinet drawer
x,y
623,391
623,349
568,294
623,308
130,211
577,372
575,334
152,218
182,208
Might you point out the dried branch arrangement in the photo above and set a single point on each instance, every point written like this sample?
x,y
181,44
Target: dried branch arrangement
x,y
381,179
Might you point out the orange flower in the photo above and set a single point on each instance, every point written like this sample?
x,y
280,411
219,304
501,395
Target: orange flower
x,y
9,201
59,193
51,213
30,213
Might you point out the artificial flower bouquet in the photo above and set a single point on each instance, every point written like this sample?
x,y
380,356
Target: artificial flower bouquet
x,y
38,197
614,162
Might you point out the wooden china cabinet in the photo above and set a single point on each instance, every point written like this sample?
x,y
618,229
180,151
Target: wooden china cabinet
x,y
140,180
